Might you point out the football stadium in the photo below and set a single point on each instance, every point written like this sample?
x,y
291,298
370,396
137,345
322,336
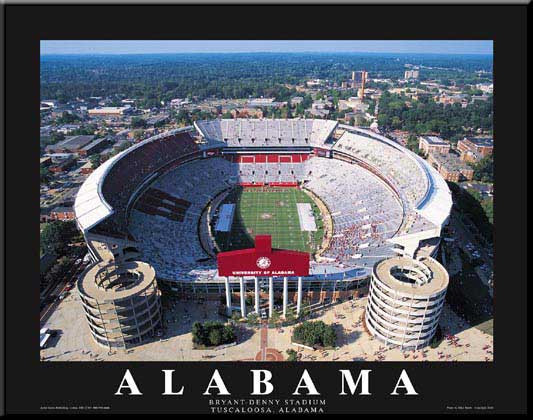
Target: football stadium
x,y
345,198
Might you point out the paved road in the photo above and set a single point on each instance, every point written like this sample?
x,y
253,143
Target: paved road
x,y
59,288
464,235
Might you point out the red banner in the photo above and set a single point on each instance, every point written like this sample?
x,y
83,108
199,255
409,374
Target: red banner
x,y
263,261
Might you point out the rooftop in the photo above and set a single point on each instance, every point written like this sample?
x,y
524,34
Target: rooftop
x,y
62,209
94,143
103,281
434,140
451,162
481,141
431,277
71,143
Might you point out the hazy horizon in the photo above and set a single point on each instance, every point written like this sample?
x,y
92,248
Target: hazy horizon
x,y
112,47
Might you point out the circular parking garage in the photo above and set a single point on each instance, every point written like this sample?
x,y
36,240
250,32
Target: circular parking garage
x,y
405,300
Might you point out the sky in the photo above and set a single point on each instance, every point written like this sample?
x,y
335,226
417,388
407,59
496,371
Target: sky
x,y
221,46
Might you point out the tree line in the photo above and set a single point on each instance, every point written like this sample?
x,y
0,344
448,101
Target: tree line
x,y
153,78
452,122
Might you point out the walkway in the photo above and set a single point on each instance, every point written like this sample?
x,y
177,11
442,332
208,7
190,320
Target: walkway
x,y
266,354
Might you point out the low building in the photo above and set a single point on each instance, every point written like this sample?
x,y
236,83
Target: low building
x,y
473,149
261,102
297,100
247,113
318,112
45,130
321,104
67,128
157,120
63,165
94,147
124,133
451,167
485,87
87,168
265,102
448,98
178,102
106,154
122,145
314,82
433,144
45,161
357,117
62,213
110,110
52,103
483,98
71,144
354,103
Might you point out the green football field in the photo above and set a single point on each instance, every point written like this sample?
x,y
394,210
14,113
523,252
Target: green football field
x,y
272,211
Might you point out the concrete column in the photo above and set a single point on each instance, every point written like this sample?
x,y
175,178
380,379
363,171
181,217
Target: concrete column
x,y
285,295
299,301
243,302
270,296
228,297
257,295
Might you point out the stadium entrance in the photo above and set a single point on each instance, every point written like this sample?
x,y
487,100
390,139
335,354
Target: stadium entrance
x,y
262,264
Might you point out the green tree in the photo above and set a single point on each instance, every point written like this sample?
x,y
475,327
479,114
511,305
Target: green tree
x,y
329,337
56,236
198,333
293,355
228,334
484,169
215,336
314,333
45,175
138,122
67,118
95,160
412,143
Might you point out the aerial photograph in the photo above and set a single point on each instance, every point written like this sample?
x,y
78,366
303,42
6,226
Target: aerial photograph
x,y
266,200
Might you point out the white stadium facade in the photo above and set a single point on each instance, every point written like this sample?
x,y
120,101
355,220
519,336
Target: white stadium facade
x,y
157,202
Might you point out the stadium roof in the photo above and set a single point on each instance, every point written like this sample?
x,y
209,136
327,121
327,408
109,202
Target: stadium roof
x,y
437,204
90,206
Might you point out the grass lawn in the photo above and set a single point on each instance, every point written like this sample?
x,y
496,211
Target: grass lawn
x,y
272,211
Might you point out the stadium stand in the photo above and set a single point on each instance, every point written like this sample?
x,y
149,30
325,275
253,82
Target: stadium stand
x,y
152,195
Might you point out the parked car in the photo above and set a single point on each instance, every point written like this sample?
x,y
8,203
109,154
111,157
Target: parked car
x,y
44,337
